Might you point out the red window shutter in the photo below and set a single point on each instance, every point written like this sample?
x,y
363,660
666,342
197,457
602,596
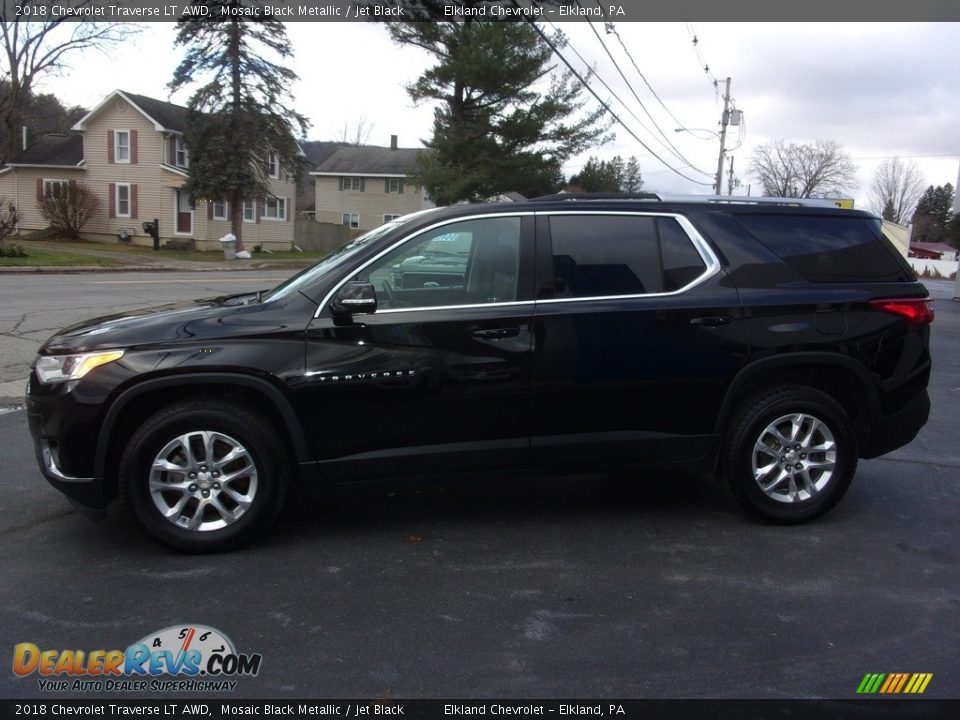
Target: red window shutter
x,y
133,147
39,189
172,151
209,209
113,198
110,158
133,201
286,205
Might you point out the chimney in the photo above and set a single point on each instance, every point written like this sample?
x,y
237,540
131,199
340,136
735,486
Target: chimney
x,y
393,142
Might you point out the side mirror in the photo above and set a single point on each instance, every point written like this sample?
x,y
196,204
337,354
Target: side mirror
x,y
354,298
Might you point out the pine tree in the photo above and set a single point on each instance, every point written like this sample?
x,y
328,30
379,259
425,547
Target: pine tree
x,y
609,176
492,131
933,215
243,109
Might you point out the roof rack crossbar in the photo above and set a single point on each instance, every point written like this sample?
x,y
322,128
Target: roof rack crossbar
x,y
596,196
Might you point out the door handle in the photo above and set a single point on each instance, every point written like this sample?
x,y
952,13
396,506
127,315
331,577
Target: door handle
x,y
712,321
496,333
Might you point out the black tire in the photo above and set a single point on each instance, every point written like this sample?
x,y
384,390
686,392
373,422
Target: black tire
x,y
257,477
806,489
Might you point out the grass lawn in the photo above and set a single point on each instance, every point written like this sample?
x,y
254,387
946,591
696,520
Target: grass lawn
x,y
50,258
190,255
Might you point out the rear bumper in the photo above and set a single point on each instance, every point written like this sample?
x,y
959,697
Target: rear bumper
x,y
889,432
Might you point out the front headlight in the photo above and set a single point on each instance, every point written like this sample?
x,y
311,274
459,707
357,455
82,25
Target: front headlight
x,y
60,368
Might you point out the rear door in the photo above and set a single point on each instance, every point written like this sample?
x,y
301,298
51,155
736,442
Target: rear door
x,y
636,337
438,378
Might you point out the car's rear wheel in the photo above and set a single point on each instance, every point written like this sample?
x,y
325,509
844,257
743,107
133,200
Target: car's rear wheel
x,y
202,476
792,454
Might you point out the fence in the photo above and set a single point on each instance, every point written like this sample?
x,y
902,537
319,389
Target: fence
x,y
308,234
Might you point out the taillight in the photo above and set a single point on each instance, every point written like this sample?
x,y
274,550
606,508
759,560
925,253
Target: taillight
x,y
916,311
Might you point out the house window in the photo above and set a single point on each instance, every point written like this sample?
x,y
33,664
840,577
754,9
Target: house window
x,y
182,157
388,218
220,210
54,188
393,185
352,183
249,211
121,146
123,199
274,209
273,164
351,220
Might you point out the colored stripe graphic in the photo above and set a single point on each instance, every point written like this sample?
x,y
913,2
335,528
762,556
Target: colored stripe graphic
x,y
894,683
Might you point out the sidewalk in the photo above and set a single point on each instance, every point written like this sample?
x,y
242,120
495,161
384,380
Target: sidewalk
x,y
140,262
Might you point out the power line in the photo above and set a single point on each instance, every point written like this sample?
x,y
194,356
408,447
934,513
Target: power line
x,y
605,106
703,63
676,151
611,29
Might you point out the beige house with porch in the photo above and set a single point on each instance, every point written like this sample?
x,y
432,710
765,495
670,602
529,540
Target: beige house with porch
x,y
129,151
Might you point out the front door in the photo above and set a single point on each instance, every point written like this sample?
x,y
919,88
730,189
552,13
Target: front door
x,y
184,213
438,378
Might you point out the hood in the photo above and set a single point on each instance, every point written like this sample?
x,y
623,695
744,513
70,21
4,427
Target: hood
x,y
182,321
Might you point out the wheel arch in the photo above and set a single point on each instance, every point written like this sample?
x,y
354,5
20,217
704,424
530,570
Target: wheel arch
x,y
843,378
136,403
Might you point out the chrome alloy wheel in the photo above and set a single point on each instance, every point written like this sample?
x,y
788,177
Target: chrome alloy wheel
x,y
203,480
794,458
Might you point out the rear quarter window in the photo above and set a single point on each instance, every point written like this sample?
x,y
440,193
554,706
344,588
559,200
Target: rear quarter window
x,y
829,249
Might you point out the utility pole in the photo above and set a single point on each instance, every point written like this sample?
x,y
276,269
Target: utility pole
x,y
724,121
730,180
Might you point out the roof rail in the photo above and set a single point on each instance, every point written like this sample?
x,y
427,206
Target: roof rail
x,y
750,200
595,196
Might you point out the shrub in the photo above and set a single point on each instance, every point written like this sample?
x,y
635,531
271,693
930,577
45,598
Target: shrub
x,y
69,208
8,223
12,251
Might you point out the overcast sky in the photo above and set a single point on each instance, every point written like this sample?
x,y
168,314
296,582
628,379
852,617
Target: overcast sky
x,y
879,89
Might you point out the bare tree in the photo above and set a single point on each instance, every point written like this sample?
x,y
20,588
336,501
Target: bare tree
x,y
358,134
895,190
819,169
35,44
67,208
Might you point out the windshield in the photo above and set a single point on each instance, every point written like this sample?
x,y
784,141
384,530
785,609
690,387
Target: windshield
x,y
333,260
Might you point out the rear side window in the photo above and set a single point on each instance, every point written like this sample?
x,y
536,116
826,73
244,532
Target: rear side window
x,y
610,255
828,249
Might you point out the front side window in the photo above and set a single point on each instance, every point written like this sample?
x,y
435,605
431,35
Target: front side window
x,y
351,220
352,183
123,200
388,218
219,210
393,185
463,263
249,211
121,146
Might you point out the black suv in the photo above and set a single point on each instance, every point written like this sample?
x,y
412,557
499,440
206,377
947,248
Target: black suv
x,y
772,342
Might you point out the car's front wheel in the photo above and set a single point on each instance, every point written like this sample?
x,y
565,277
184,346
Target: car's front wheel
x,y
791,455
202,476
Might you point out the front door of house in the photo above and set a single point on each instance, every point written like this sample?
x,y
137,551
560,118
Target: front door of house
x,y
184,213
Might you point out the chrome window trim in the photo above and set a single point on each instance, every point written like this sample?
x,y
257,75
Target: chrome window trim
x,y
699,243
403,241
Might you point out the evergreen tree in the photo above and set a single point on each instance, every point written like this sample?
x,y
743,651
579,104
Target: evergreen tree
x,y
492,131
242,111
609,176
933,215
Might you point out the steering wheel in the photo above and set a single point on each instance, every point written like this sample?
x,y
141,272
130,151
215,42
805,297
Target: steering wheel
x,y
389,294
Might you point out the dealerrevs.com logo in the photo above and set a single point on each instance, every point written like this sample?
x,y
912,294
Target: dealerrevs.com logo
x,y
177,658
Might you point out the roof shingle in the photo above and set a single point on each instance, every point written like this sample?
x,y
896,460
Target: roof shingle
x,y
370,160
62,150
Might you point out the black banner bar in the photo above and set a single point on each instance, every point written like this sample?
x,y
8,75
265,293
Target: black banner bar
x,y
336,709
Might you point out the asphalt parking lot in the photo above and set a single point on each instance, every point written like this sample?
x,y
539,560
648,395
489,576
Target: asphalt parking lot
x,y
572,587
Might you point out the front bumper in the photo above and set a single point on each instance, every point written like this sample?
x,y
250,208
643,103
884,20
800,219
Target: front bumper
x,y
64,430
